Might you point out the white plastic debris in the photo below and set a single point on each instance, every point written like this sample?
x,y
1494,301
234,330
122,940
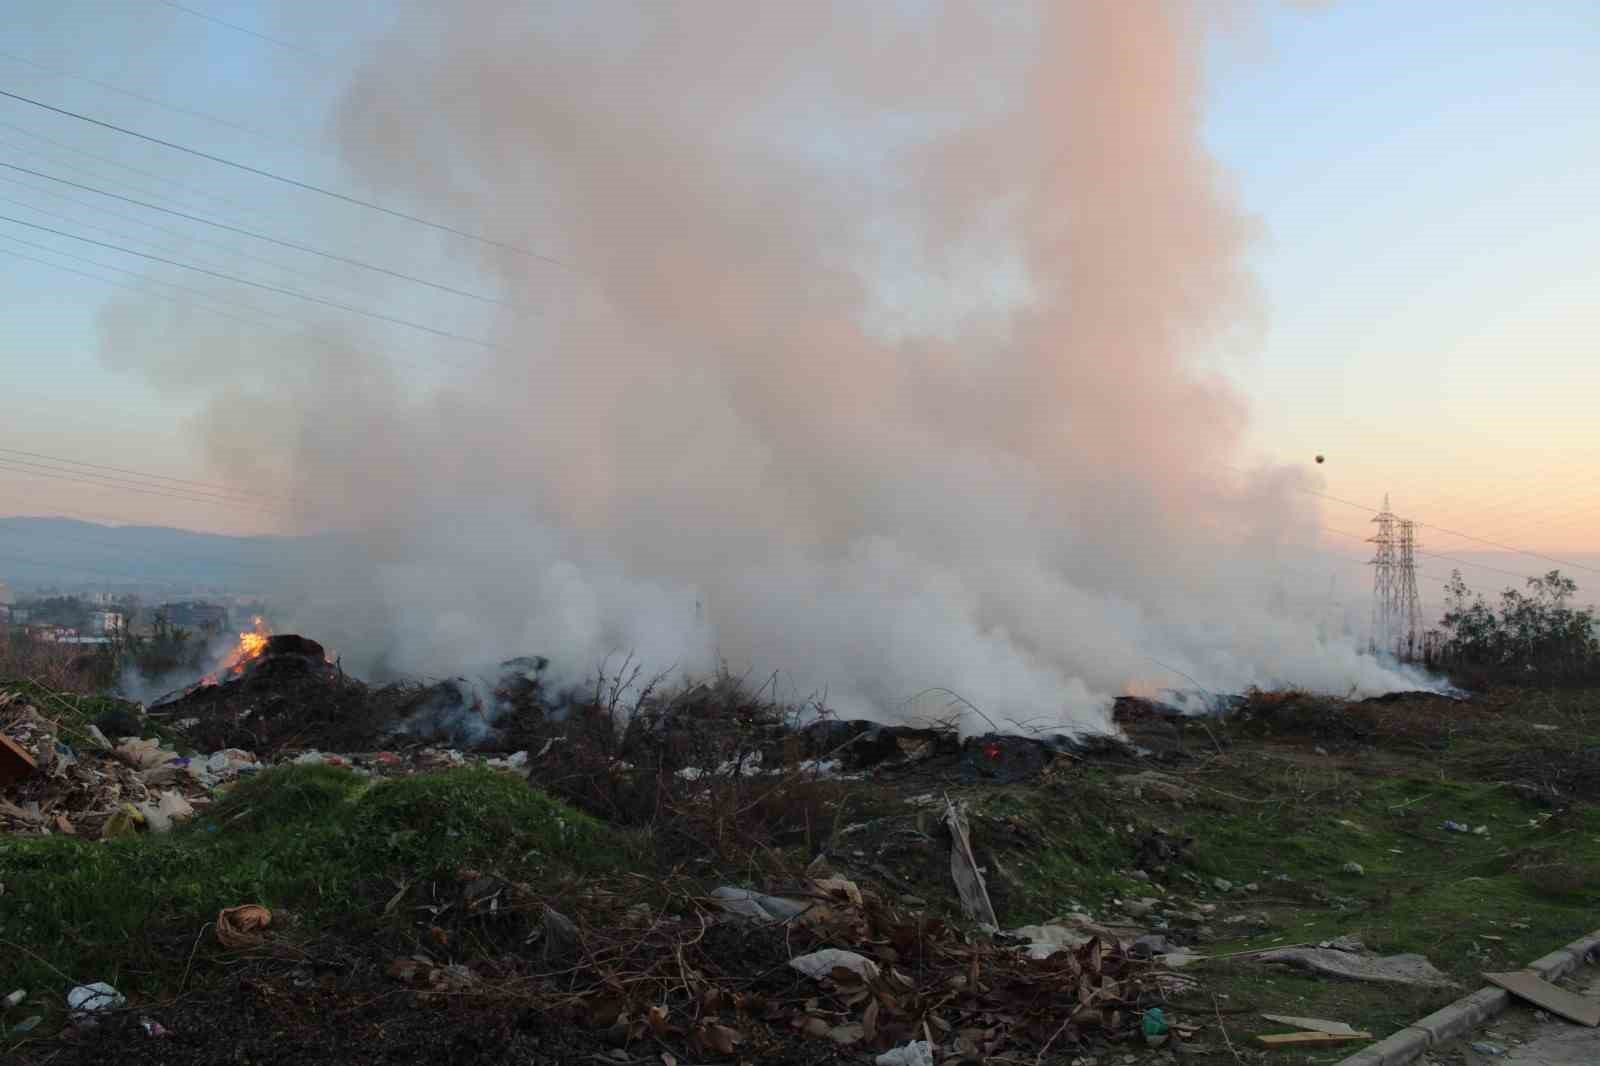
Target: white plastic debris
x,y
16,997
310,758
91,999
170,808
916,1053
757,907
230,760
820,964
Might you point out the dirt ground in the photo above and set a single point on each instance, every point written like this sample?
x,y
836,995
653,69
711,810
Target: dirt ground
x,y
1218,835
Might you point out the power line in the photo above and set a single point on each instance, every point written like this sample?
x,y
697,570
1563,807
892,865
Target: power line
x,y
110,87
289,181
62,146
304,334
257,284
1437,555
243,29
263,237
104,482
169,230
1469,536
141,473
29,466
1440,529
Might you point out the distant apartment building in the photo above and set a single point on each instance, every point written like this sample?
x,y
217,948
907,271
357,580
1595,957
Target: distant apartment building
x,y
106,623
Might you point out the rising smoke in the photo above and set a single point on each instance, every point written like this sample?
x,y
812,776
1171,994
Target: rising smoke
x,y
881,360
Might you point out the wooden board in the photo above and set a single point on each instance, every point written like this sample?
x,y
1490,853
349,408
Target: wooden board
x,y
1292,1039
15,763
1315,1025
1525,984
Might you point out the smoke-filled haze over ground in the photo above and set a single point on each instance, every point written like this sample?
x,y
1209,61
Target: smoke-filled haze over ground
x,y
881,346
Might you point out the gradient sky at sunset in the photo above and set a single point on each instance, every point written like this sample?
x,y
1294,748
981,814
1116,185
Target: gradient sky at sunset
x,y
1423,177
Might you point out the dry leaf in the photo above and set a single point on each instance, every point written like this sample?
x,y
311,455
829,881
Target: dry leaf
x,y
239,927
721,1038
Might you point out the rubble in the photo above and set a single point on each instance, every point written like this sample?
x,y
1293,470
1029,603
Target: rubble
x,y
96,791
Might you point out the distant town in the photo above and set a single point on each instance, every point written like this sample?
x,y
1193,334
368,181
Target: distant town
x,y
77,614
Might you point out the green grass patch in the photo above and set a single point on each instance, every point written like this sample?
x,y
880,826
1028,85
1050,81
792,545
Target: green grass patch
x,y
1470,903
318,842
1057,847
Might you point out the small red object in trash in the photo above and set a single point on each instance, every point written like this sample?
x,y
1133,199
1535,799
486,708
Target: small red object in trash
x,y
388,758
992,750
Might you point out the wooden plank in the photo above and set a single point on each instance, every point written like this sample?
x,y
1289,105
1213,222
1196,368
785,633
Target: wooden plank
x,y
1525,984
15,762
1317,1025
1294,1039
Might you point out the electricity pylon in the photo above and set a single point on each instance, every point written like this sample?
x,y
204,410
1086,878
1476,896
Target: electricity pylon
x,y
1383,581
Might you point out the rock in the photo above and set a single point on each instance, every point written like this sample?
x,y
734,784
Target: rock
x,y
1139,908
1149,945
1222,884
1354,868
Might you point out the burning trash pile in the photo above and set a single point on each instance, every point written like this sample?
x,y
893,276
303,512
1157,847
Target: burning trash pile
x,y
272,691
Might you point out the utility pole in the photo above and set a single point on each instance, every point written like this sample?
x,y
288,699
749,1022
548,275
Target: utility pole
x,y
1383,581
1408,608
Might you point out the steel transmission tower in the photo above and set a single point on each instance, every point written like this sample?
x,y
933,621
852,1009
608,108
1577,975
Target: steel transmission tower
x,y
1408,608
1383,581
1396,608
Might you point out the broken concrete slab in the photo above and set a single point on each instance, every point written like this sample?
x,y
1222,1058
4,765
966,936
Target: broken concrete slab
x,y
1405,969
1525,984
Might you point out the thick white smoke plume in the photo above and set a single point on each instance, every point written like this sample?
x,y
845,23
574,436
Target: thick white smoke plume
x,y
880,361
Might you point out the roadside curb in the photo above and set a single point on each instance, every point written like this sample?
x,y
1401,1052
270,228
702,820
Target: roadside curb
x,y
1468,1012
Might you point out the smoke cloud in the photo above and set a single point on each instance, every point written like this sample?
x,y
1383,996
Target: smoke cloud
x,y
884,358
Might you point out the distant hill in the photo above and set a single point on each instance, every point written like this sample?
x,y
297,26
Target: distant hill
x,y
64,551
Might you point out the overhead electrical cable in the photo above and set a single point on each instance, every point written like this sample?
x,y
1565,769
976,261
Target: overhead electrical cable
x,y
256,235
463,338
306,331
294,182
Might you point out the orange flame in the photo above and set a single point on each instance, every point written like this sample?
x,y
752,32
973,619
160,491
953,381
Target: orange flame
x,y
251,645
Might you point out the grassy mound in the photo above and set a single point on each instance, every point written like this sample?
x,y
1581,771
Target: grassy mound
x,y
316,842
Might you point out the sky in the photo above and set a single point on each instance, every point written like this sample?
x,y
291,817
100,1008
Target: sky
x,y
1418,179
